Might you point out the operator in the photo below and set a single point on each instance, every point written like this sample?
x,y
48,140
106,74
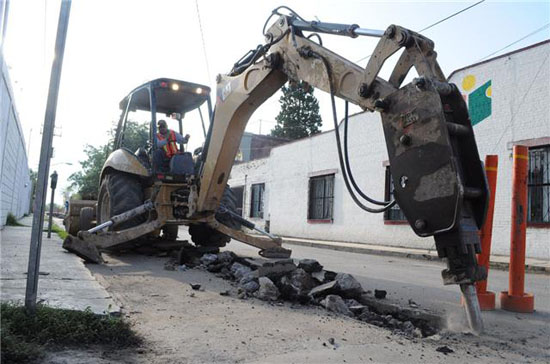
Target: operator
x,y
167,141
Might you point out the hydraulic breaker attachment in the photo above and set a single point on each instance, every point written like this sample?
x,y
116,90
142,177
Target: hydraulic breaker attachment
x,y
439,180
88,244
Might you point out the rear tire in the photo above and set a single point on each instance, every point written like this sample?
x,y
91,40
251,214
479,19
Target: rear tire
x,y
170,232
86,218
203,235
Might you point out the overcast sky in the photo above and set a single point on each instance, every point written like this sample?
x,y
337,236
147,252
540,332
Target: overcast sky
x,y
115,45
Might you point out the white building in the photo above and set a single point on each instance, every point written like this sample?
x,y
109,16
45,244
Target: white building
x,y
298,191
15,183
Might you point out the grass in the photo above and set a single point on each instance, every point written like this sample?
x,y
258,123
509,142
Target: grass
x,y
12,220
59,231
25,338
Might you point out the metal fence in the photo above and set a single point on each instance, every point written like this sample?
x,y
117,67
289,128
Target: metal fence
x,y
539,185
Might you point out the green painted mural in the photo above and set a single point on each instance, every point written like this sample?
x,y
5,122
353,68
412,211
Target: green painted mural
x,y
479,100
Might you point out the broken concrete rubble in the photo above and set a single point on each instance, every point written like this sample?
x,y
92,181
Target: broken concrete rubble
x,y
208,259
336,304
348,286
277,269
310,265
323,289
251,287
296,285
307,282
268,291
239,271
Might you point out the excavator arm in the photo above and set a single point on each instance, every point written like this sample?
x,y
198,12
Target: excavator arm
x,y
439,180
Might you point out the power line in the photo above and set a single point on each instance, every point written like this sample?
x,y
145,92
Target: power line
x,y
450,16
517,41
436,23
202,38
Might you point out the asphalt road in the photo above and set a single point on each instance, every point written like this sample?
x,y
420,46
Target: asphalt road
x,y
420,281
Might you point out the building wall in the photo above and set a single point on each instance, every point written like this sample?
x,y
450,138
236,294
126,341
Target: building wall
x,y
247,174
520,111
15,184
514,108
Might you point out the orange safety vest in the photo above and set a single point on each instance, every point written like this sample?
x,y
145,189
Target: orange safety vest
x,y
171,147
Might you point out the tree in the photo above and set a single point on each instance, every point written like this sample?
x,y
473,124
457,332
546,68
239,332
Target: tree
x,y
34,180
299,116
87,180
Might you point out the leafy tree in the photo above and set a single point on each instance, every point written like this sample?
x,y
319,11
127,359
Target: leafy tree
x,y
136,135
299,116
87,180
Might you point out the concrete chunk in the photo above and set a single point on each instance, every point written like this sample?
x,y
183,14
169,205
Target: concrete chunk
x,y
275,270
296,285
268,291
239,271
208,259
336,304
323,289
250,287
310,265
348,286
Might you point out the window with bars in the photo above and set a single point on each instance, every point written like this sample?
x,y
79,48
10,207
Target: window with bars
x,y
538,186
257,200
321,198
395,213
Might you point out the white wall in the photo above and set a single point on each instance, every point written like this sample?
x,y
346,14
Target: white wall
x,y
520,85
247,174
520,110
15,185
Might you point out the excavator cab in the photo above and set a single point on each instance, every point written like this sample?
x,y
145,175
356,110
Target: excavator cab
x,y
161,99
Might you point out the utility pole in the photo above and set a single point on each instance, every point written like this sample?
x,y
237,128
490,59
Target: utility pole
x,y
45,155
53,185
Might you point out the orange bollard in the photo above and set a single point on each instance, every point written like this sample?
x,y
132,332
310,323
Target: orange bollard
x,y
515,299
487,298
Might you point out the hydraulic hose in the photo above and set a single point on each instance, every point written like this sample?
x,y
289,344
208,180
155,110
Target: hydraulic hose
x,y
311,53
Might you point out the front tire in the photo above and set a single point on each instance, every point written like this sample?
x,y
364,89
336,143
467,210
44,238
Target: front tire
x,y
119,192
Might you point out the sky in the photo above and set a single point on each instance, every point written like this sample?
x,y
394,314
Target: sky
x,y
115,45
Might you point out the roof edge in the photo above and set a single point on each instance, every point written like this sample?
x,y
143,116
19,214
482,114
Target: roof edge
x,y
497,57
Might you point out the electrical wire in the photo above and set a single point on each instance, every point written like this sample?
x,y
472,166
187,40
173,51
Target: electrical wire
x,y
517,41
450,16
436,23
202,37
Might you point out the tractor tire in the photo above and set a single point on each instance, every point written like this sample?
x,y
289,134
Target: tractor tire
x,y
170,232
86,218
119,192
204,235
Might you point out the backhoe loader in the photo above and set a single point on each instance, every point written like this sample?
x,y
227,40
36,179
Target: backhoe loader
x,y
439,180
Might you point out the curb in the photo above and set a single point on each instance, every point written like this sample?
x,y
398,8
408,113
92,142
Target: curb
x,y
419,256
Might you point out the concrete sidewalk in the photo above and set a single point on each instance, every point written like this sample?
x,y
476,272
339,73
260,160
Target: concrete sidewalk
x,y
496,261
64,281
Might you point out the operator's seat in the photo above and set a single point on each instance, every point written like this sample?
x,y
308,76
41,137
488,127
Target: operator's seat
x,y
182,164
